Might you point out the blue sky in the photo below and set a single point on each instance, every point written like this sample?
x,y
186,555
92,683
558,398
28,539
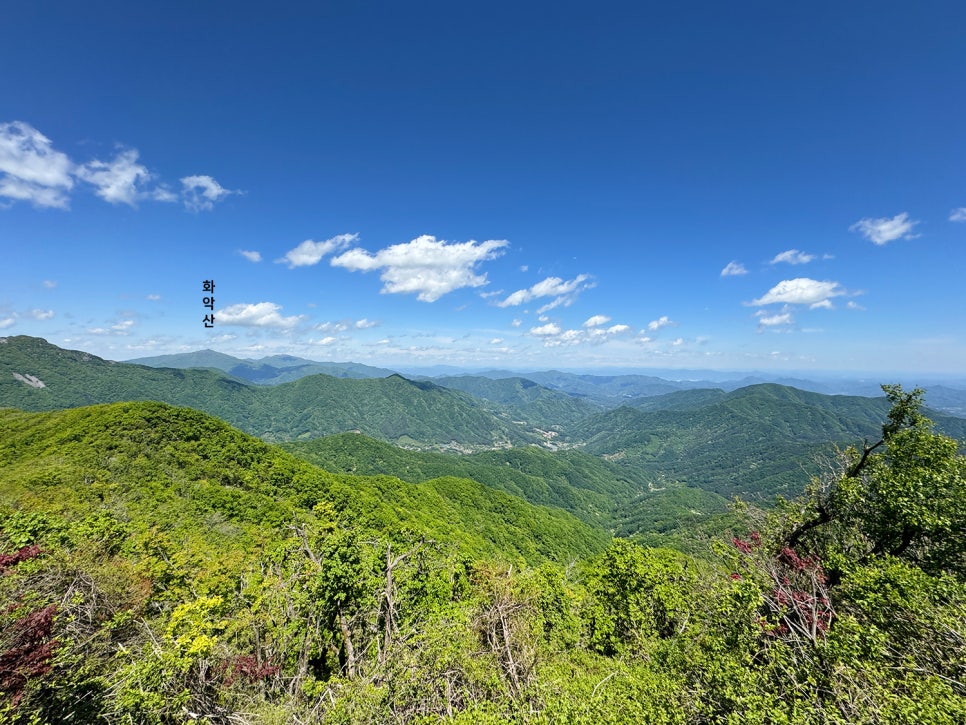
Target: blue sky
x,y
741,186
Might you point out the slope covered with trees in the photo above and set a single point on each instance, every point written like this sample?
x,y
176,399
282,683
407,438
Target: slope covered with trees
x,y
754,442
586,486
161,567
395,409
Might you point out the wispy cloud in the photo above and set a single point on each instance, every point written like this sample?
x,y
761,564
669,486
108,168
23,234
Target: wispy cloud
x,y
251,255
779,319
733,269
425,266
311,252
122,180
261,314
800,291
121,328
792,256
30,169
958,215
563,292
884,230
553,335
662,321
201,192
597,321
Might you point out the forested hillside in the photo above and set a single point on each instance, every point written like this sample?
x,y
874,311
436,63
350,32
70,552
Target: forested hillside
x,y
162,567
754,442
394,409
586,486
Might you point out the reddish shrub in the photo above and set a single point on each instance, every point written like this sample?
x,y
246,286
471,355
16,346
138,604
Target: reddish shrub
x,y
29,649
22,554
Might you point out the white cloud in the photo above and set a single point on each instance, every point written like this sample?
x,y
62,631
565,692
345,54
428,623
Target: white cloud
x,y
662,321
799,291
30,169
331,326
884,230
793,256
425,266
822,305
516,323
597,321
553,335
733,269
251,256
854,305
7,322
40,314
782,318
262,314
121,181
565,292
200,192
365,324
326,341
49,284
550,329
123,326
309,252
958,215
153,298
496,341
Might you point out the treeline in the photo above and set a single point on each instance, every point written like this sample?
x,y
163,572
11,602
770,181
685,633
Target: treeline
x,y
160,567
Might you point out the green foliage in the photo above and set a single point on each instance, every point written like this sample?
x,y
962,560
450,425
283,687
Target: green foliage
x,y
162,567
584,485
637,594
754,442
903,496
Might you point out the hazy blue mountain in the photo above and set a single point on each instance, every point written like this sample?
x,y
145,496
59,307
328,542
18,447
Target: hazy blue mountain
x,y
271,370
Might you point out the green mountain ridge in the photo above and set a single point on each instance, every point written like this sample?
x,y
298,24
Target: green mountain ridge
x,y
754,442
143,460
416,414
586,486
520,398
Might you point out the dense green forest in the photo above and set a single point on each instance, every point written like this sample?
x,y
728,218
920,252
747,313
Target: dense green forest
x,y
694,449
160,566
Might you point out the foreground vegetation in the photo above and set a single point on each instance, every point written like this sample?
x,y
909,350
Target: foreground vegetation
x,y
162,567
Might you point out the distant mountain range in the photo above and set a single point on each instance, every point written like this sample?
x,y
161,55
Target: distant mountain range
x,y
627,453
270,370
599,389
